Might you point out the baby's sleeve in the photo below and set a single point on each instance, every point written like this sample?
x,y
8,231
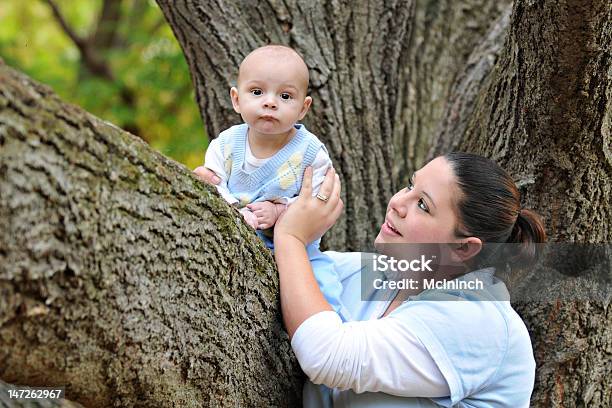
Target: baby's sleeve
x,y
215,161
320,165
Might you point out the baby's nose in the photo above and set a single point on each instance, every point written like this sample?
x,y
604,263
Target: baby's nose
x,y
270,103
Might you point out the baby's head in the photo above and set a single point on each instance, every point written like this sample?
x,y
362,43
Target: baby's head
x,y
271,91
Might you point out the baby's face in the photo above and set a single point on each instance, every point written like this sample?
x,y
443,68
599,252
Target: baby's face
x,y
271,93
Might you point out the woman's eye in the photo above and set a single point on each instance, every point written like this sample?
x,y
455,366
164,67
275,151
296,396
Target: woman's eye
x,y
285,96
422,205
256,92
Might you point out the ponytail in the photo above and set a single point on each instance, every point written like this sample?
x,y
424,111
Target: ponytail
x,y
489,207
528,230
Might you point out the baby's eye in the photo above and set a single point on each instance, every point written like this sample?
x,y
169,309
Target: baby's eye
x,y
285,96
256,92
410,186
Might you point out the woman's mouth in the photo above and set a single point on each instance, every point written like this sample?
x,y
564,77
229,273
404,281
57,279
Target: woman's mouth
x,y
389,229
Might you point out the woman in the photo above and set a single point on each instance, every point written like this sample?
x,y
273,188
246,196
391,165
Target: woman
x,y
412,349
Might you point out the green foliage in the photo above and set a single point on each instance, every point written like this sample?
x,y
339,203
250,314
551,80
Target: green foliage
x,y
145,60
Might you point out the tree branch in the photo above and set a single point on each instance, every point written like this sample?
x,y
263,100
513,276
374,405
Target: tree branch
x,y
102,39
78,41
106,27
92,62
185,297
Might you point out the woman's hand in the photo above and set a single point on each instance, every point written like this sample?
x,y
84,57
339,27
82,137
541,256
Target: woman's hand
x,y
207,175
308,217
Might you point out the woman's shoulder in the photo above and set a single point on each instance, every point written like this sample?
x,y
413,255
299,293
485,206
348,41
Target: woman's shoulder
x,y
448,314
477,344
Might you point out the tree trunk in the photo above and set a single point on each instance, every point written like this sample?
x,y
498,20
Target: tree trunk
x,y
545,115
379,70
124,278
444,36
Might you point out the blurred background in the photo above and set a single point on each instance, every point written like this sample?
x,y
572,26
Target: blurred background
x,y
117,59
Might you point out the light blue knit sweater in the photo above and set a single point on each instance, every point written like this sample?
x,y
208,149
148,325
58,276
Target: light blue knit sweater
x,y
280,176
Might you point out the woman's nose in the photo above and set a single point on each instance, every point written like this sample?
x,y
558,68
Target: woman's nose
x,y
399,203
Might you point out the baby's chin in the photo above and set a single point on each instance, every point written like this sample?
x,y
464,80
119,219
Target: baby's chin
x,y
271,129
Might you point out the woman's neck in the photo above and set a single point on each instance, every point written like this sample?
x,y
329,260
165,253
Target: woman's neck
x,y
265,146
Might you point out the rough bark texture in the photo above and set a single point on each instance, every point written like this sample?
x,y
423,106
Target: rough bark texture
x,y
443,40
122,277
544,113
380,71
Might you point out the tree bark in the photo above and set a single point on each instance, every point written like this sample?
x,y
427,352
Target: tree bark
x,y
544,113
375,68
124,278
445,37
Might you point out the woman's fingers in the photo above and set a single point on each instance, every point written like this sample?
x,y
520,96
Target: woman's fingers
x,y
307,182
327,186
309,217
331,190
335,202
335,193
337,211
207,175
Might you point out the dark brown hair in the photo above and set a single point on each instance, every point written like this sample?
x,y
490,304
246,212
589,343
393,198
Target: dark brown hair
x,y
489,207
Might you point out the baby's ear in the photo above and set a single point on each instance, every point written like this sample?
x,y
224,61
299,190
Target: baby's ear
x,y
234,96
305,106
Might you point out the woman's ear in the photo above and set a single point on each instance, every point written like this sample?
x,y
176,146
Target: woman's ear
x,y
234,96
466,249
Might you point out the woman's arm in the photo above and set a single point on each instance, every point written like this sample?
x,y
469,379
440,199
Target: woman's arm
x,y
383,355
299,292
305,220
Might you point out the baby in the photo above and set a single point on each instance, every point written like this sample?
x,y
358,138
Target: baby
x,y
261,162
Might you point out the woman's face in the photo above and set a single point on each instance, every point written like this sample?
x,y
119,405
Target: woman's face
x,y
423,212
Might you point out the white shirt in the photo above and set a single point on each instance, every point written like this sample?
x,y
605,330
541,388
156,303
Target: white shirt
x,y
214,161
436,349
375,355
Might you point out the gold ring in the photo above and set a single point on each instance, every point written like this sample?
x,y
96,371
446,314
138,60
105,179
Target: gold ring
x,y
322,197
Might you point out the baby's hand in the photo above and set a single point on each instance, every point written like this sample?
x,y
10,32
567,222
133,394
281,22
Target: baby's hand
x,y
249,217
267,213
